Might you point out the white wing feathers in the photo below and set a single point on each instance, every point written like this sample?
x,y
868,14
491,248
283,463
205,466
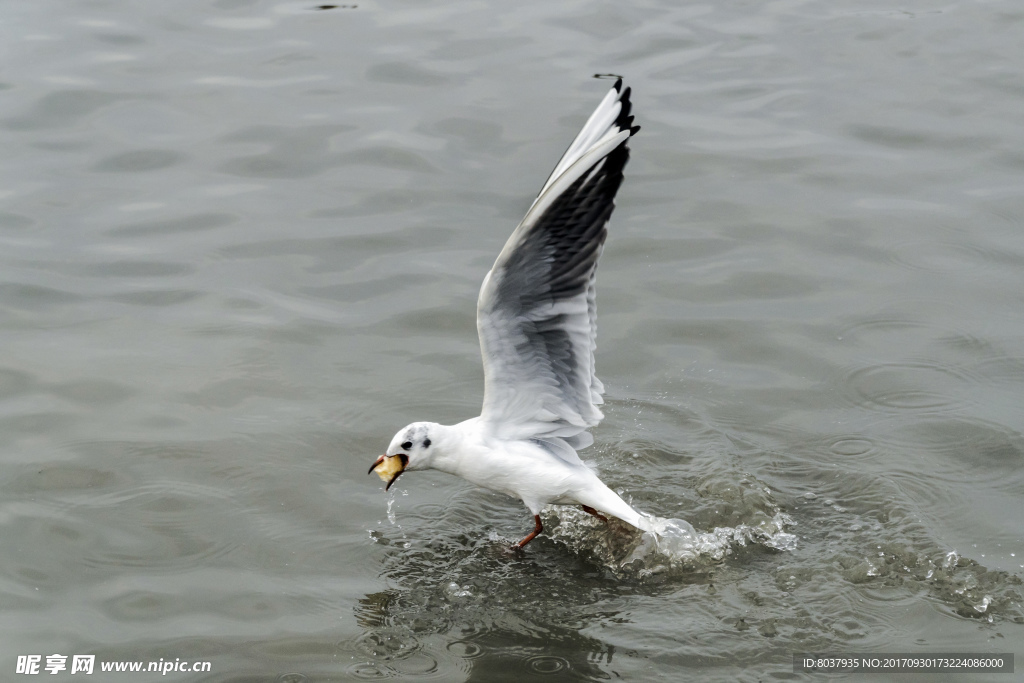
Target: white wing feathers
x,y
536,314
597,126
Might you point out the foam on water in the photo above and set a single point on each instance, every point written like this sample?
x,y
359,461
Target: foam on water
x,y
666,544
677,540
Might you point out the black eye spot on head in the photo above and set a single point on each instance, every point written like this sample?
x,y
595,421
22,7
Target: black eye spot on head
x,y
407,445
426,443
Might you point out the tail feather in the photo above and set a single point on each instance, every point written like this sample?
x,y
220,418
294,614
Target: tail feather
x,y
605,500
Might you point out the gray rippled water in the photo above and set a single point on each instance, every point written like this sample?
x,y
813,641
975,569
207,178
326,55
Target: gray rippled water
x,y
241,245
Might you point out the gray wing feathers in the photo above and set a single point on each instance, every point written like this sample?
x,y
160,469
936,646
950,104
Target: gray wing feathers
x,y
536,314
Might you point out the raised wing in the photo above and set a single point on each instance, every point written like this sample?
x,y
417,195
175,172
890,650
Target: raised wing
x,y
536,312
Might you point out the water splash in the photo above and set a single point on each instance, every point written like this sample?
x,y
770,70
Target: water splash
x,y
393,520
951,559
391,509
678,543
666,545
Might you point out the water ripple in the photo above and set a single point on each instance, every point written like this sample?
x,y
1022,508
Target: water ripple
x,y
915,385
852,446
945,257
547,665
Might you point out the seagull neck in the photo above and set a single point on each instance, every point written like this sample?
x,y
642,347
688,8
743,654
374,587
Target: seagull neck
x,y
453,442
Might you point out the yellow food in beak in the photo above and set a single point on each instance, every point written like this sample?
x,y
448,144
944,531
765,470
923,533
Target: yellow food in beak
x,y
388,467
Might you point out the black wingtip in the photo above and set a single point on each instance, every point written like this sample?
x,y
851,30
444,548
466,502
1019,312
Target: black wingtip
x,y
634,130
625,118
618,85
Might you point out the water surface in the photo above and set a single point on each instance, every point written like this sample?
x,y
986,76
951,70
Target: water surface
x,y
241,245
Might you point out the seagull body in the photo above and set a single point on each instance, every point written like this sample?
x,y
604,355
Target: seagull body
x,y
537,321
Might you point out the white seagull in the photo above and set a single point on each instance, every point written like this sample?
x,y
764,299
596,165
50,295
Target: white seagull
x,y
537,321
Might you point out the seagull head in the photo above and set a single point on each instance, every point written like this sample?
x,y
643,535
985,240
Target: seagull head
x,y
410,449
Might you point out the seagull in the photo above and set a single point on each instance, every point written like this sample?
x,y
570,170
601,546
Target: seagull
x,y
537,320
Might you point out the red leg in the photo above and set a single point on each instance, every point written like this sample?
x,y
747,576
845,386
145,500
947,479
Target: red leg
x,y
533,535
591,511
